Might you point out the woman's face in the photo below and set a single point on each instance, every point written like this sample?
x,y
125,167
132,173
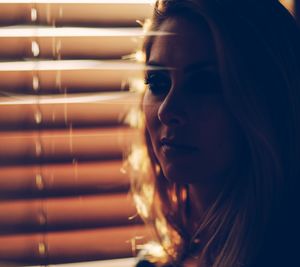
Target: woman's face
x,y
193,135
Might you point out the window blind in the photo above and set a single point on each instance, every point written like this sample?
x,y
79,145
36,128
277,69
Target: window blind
x,y
63,99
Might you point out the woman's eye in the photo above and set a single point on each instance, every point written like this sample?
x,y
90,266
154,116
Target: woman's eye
x,y
158,84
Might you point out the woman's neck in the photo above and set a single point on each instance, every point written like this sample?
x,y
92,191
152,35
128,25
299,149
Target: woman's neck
x,y
201,198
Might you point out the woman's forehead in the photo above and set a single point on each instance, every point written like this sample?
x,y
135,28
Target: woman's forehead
x,y
189,44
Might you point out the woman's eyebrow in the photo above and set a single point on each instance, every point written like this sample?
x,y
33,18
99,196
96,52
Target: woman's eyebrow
x,y
201,65
153,65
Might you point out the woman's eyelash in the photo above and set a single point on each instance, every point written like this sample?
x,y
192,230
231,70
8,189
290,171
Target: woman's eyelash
x,y
154,77
146,80
157,83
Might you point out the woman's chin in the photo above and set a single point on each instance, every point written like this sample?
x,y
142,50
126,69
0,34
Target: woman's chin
x,y
181,175
184,174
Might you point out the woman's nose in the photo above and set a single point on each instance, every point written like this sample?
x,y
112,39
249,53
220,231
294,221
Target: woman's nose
x,y
172,111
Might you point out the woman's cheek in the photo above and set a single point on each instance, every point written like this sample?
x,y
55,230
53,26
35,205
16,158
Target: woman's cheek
x,y
150,108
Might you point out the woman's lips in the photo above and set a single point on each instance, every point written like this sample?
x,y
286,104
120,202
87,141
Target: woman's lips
x,y
174,146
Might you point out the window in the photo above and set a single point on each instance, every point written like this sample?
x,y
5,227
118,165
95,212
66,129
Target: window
x,y
64,94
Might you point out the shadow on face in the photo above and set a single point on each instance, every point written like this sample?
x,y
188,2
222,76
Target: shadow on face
x,y
193,135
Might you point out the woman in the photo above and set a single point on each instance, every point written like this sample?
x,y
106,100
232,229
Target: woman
x,y
222,124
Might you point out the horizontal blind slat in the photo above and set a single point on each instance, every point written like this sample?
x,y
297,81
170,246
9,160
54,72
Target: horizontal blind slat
x,y
65,76
66,144
66,13
101,176
68,42
58,111
66,213
71,246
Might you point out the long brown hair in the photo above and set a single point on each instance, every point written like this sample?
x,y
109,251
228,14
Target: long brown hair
x,y
258,50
